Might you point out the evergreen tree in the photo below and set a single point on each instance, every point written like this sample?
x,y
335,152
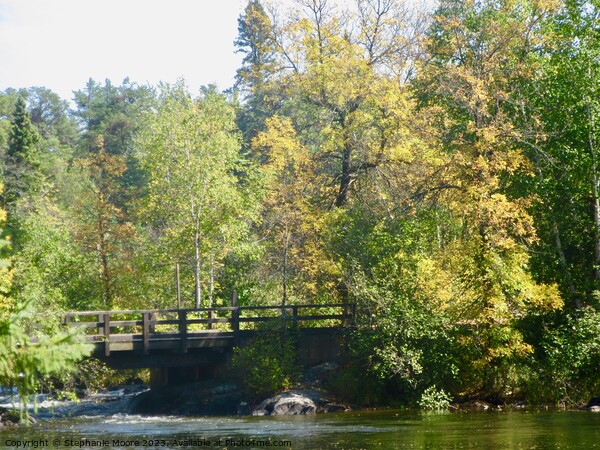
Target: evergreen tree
x,y
22,162
255,41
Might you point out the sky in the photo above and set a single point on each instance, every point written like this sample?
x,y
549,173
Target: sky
x,y
61,44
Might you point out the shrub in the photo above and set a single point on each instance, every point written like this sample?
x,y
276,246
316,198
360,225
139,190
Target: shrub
x,y
268,363
434,400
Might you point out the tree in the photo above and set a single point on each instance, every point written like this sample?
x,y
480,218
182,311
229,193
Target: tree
x,y
28,351
50,115
256,42
22,161
326,72
196,203
482,277
114,113
291,222
104,230
564,97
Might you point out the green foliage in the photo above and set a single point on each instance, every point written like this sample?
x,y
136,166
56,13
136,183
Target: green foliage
x,y
268,363
52,270
434,400
401,343
570,361
361,387
93,375
22,160
26,355
196,205
457,204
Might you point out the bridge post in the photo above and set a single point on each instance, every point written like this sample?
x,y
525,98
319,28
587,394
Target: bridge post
x,y
106,323
349,314
295,316
159,377
182,315
235,318
146,332
211,316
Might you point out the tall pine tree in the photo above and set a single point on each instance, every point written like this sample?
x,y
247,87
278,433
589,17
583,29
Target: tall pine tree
x,y
255,40
22,162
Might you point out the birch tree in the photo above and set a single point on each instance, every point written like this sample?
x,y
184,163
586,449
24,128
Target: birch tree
x,y
195,204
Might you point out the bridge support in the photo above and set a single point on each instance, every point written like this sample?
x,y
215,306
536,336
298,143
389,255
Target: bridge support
x,y
163,376
159,376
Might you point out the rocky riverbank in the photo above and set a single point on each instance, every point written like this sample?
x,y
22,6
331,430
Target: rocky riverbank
x,y
204,398
212,398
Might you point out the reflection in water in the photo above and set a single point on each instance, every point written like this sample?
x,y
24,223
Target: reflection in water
x,y
370,429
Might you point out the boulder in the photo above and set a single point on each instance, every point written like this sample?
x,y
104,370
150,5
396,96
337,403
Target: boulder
x,y
333,408
8,418
299,401
285,404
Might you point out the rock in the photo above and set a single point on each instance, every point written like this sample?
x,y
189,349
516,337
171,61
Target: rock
x,y
8,418
477,405
333,408
299,401
285,404
244,409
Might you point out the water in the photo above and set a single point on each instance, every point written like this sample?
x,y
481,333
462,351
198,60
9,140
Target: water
x,y
356,430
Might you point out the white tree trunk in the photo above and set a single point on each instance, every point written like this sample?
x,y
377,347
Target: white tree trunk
x,y
198,284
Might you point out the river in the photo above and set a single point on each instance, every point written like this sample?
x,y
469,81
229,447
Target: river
x,y
387,429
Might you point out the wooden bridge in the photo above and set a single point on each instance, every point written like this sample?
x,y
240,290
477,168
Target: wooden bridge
x,y
205,337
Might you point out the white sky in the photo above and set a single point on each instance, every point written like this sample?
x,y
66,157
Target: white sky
x,y
60,44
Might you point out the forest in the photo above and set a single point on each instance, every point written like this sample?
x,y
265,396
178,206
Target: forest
x,y
436,166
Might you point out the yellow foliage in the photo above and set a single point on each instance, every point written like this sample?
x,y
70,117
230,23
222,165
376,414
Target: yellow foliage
x,y
292,221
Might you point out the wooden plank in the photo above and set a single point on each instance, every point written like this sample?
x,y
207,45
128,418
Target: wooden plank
x,y
217,308
158,311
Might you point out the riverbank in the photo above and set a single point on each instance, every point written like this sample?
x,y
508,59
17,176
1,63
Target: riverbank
x,y
219,398
214,400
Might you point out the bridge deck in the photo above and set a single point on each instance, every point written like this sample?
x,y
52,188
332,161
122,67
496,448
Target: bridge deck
x,y
179,330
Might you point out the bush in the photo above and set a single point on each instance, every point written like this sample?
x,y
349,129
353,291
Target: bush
x,y
268,363
434,400
570,359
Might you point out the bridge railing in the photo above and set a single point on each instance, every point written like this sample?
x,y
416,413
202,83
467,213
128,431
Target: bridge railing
x,y
172,326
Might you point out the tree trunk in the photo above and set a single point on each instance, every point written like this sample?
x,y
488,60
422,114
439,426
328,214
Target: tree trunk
x,y
345,178
285,264
562,258
596,189
198,284
211,287
563,262
102,249
595,193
